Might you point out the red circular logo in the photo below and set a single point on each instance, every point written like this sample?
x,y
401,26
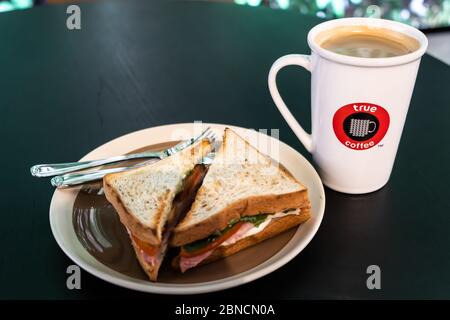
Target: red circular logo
x,y
361,125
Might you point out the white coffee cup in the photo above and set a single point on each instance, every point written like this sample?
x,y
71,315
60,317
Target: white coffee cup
x,y
358,107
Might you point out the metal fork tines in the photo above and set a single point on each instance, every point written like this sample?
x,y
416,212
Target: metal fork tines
x,y
206,134
72,179
48,170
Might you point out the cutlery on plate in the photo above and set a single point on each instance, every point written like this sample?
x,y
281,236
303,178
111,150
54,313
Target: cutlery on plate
x,y
72,179
48,170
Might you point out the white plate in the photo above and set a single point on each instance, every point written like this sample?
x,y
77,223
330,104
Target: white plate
x,y
63,200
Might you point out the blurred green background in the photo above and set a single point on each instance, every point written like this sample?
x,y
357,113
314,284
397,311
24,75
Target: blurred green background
x,y
423,14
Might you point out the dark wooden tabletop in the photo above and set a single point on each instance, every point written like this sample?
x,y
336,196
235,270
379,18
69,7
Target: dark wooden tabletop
x,y
138,64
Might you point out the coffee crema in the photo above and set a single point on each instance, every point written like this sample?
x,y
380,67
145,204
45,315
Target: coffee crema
x,y
367,42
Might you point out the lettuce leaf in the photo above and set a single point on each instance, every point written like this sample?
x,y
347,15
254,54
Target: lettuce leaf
x,y
256,220
199,244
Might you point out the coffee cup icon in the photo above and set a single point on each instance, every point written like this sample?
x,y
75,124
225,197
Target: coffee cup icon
x,y
362,127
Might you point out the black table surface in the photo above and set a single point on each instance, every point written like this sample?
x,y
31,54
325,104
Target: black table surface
x,y
138,64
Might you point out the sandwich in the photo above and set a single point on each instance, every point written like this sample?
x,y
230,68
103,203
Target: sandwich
x,y
150,201
245,198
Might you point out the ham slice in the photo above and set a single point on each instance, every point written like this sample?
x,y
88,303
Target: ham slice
x,y
152,260
239,235
187,263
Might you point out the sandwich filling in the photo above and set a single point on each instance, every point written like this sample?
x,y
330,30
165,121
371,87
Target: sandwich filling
x,y
194,253
152,255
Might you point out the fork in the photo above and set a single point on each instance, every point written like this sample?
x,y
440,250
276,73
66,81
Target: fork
x,y
72,179
48,170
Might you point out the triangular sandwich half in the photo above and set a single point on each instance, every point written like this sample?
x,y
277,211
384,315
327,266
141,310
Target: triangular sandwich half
x,y
245,198
151,199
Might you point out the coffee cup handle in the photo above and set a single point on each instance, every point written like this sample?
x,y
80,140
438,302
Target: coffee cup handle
x,y
291,59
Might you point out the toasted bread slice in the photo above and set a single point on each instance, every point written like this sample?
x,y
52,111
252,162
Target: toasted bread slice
x,y
143,197
240,182
275,227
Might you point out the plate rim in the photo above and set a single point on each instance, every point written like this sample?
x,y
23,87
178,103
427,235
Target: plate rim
x,y
266,267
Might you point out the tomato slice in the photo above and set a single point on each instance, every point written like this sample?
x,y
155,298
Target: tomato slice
x,y
211,246
147,248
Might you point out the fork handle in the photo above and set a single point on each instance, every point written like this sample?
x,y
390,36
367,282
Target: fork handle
x,y
72,179
48,170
